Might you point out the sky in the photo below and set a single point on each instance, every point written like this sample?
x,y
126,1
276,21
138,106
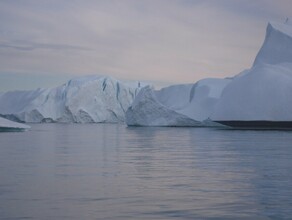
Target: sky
x,y
45,43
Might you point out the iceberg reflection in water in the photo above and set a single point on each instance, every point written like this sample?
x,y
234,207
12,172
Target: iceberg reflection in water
x,y
109,171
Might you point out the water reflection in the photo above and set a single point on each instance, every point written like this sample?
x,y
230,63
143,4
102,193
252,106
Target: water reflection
x,y
114,172
222,168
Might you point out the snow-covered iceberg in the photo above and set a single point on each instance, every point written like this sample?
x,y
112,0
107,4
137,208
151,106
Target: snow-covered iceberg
x,y
261,96
7,125
82,100
177,105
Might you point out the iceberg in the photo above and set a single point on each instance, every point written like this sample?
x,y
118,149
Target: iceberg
x,y
257,97
147,110
90,99
177,105
260,97
7,125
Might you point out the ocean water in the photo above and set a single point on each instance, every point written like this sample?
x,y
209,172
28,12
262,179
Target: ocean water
x,y
109,171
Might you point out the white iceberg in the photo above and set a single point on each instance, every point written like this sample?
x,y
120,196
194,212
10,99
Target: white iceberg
x,y
7,125
257,97
147,110
82,100
261,96
178,105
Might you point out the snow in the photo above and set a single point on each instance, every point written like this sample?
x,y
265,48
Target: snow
x,y
177,105
82,100
262,93
7,125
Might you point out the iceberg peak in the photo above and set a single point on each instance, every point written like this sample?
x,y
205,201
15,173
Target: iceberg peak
x,y
277,47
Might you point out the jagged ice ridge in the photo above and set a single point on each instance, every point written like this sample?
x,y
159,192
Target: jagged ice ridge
x,y
82,100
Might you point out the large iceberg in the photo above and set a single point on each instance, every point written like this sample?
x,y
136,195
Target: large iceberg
x,y
258,97
82,100
7,125
261,97
177,105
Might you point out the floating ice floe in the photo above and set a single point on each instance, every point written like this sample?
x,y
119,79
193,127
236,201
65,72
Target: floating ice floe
x,y
7,125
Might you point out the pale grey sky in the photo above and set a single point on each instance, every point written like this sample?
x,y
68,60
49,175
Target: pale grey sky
x,y
44,43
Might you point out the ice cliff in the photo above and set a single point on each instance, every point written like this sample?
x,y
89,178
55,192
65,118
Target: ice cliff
x,y
81,100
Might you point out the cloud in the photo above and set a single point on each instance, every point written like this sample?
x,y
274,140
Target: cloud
x,y
28,46
170,40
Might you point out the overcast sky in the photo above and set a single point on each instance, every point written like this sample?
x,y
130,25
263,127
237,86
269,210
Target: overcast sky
x,y
45,42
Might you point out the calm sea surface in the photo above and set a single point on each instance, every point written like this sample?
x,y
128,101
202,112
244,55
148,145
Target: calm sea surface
x,y
108,171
